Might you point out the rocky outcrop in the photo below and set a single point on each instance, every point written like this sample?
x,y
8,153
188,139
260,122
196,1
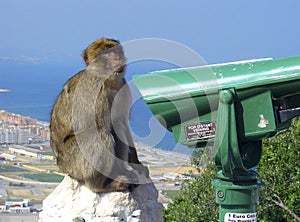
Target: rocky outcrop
x,y
71,201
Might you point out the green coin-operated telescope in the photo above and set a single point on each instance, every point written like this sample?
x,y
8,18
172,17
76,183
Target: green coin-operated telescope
x,y
234,105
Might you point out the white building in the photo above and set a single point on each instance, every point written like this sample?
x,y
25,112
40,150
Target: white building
x,y
14,135
17,207
23,203
8,156
23,136
2,136
11,135
2,207
19,210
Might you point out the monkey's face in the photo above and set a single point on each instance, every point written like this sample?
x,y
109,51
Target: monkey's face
x,y
116,61
110,62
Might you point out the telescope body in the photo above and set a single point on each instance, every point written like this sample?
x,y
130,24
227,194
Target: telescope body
x,y
185,100
234,105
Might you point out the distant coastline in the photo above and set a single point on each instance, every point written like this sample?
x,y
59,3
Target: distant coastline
x,y
34,89
18,129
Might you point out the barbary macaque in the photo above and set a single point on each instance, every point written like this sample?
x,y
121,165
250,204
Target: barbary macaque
x,y
89,129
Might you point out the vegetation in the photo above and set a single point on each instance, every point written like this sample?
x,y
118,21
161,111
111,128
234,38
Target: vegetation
x,y
279,169
201,157
188,204
48,153
170,193
44,177
10,169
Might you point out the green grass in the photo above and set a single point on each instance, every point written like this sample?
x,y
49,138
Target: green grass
x,y
48,153
44,177
170,193
5,169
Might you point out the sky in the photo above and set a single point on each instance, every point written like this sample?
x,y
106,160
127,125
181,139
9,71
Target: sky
x,y
57,31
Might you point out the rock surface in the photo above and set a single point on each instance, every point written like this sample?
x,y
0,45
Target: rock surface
x,y
71,201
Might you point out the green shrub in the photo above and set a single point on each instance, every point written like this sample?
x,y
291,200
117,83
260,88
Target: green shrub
x,y
196,201
279,169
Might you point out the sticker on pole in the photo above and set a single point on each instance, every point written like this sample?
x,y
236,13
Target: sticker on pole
x,y
234,217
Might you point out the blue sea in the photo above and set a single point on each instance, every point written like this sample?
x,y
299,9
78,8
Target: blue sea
x,y
35,87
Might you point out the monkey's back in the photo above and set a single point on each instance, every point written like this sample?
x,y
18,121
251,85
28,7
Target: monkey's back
x,y
61,129
60,123
75,120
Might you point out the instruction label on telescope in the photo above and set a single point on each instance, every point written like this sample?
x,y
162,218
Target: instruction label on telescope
x,y
233,217
200,131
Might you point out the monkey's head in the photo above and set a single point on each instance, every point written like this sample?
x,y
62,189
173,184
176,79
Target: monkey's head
x,y
108,52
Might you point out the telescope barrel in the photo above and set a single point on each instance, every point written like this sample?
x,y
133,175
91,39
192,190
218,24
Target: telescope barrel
x,y
198,81
171,93
234,105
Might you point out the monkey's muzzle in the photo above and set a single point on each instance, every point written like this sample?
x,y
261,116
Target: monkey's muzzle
x,y
119,69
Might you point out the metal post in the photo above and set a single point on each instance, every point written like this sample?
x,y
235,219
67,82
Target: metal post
x,y
237,201
237,186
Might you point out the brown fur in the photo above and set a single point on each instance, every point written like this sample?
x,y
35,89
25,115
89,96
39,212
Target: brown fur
x,y
92,141
100,45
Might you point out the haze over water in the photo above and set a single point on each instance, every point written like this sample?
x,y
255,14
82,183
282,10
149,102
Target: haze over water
x,y
35,87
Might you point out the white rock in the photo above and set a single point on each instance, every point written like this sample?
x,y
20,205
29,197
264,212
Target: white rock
x,y
71,199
